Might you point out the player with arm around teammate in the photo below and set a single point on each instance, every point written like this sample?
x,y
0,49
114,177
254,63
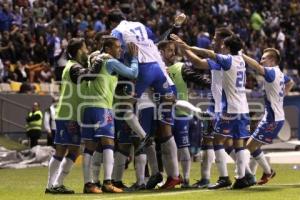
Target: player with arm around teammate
x,y
234,121
98,116
276,85
151,74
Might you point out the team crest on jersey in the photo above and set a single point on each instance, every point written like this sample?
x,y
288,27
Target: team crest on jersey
x,y
165,85
271,127
185,128
108,117
72,127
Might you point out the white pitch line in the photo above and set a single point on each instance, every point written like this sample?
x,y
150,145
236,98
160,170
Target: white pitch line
x,y
170,193
278,185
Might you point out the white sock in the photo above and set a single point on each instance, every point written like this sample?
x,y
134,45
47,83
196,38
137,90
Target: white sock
x,y
108,163
221,162
185,160
169,157
52,171
261,160
133,122
253,165
247,155
96,165
119,166
64,169
87,167
152,159
233,155
140,164
241,162
208,157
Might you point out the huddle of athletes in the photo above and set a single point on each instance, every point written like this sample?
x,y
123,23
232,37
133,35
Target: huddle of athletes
x,y
94,109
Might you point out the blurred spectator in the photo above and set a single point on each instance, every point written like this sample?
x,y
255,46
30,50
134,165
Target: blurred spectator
x,y
6,17
39,50
46,74
54,47
1,71
203,40
27,88
256,21
22,71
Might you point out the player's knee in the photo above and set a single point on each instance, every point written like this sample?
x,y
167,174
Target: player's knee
x,y
72,156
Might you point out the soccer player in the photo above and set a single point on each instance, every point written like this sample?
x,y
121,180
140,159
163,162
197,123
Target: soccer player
x,y
67,137
151,75
214,110
180,74
126,138
276,85
98,117
234,121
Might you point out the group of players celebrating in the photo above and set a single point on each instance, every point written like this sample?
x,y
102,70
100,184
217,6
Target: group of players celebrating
x,y
95,109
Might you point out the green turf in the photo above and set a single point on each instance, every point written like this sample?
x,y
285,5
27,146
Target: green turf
x,y
30,184
11,144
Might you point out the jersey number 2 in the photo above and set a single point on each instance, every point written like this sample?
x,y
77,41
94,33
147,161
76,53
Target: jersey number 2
x,y
240,79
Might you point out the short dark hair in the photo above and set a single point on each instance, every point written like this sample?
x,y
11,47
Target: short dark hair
x,y
74,45
108,41
164,44
116,16
234,43
274,53
223,32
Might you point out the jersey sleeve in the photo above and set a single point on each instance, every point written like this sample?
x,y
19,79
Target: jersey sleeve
x,y
150,34
213,65
116,66
269,75
192,75
119,36
286,79
224,60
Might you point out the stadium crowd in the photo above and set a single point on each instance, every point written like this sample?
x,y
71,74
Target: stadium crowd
x,y
34,33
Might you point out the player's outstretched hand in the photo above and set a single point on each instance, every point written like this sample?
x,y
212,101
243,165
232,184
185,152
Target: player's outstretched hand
x,y
179,41
132,49
179,19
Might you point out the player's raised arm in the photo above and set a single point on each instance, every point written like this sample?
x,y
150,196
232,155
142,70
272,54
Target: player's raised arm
x,y
254,64
199,51
179,20
197,62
